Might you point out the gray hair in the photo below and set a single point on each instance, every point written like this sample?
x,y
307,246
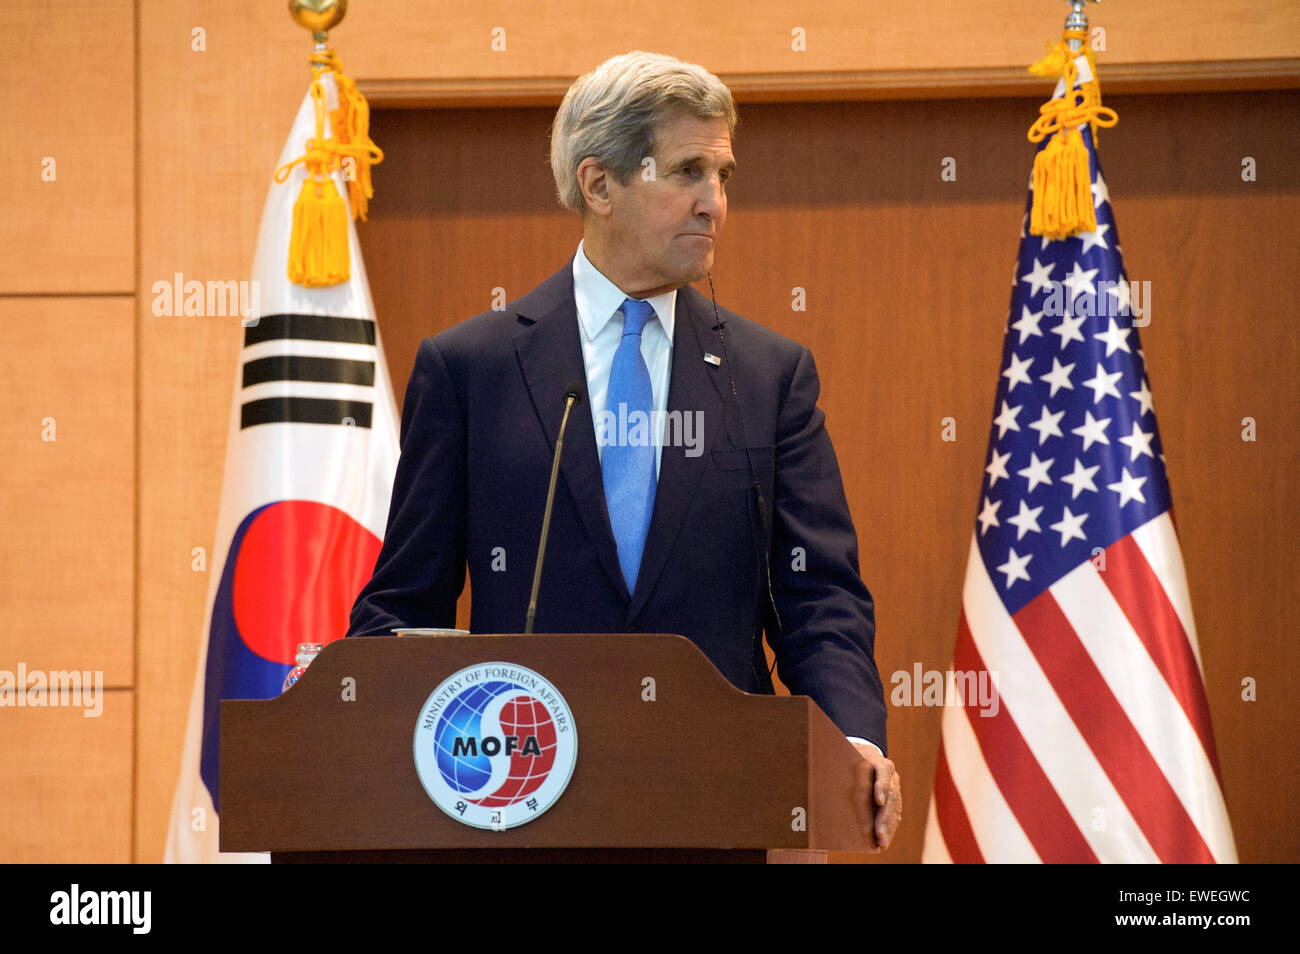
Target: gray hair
x,y
612,112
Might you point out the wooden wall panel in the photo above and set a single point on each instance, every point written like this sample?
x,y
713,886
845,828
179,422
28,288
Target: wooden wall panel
x,y
879,50
1223,345
907,282
68,74
212,125
65,793
67,505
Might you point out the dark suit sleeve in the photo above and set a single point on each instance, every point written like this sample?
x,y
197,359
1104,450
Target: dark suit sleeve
x,y
826,641
420,571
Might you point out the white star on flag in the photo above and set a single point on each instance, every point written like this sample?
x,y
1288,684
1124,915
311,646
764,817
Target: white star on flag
x,y
1068,526
1079,281
1103,384
1026,520
1068,329
1093,239
989,515
1128,487
1006,421
1017,372
1014,568
1059,376
1036,472
1099,192
1138,442
1047,425
1143,397
1116,338
1027,325
1039,278
1092,430
997,466
1081,479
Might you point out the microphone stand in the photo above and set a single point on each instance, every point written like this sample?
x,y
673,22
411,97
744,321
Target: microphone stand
x,y
572,398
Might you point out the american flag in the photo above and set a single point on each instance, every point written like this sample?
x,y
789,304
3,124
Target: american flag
x,y
1075,601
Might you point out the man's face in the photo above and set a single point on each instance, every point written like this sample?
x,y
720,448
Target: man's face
x,y
662,228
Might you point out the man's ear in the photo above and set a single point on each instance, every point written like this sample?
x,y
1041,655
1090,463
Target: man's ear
x,y
594,181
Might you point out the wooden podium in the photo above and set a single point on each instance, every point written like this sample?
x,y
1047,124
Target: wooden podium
x,y
674,764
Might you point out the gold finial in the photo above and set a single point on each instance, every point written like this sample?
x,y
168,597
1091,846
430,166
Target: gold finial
x,y
1077,21
319,16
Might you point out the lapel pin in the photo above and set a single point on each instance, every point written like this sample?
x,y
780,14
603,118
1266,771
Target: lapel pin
x,y
713,359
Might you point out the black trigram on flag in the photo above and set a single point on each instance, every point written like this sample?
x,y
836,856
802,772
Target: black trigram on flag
x,y
342,360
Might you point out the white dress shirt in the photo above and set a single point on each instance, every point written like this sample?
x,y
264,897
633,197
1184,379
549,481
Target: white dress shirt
x,y
598,301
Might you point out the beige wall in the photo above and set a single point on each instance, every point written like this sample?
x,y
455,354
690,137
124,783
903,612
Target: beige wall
x,y
68,487
162,154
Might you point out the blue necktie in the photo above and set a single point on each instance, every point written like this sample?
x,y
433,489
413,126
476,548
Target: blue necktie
x,y
628,461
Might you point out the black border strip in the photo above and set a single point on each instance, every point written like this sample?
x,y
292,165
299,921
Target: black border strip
x,y
297,367
305,410
310,328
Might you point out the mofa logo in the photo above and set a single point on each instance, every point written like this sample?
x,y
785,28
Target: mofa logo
x,y
495,745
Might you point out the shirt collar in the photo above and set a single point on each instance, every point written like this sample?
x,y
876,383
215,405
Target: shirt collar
x,y
597,299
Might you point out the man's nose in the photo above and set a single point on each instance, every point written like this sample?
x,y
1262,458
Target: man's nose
x,y
713,203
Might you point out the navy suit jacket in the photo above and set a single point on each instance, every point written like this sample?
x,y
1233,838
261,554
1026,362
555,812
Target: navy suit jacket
x,y
482,411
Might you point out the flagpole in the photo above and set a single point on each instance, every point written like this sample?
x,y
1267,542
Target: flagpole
x,y
1077,20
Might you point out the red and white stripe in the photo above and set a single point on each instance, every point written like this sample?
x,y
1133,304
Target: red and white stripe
x,y
1101,748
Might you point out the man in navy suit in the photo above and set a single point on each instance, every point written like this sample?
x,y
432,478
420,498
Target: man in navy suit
x,y
714,508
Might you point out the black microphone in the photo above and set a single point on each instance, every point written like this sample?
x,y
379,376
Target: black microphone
x,y
573,393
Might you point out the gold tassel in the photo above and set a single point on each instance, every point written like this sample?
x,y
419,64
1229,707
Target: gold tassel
x,y
318,248
1062,202
352,128
1062,188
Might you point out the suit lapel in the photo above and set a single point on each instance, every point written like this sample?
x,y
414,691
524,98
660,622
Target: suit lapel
x,y
550,356
692,390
